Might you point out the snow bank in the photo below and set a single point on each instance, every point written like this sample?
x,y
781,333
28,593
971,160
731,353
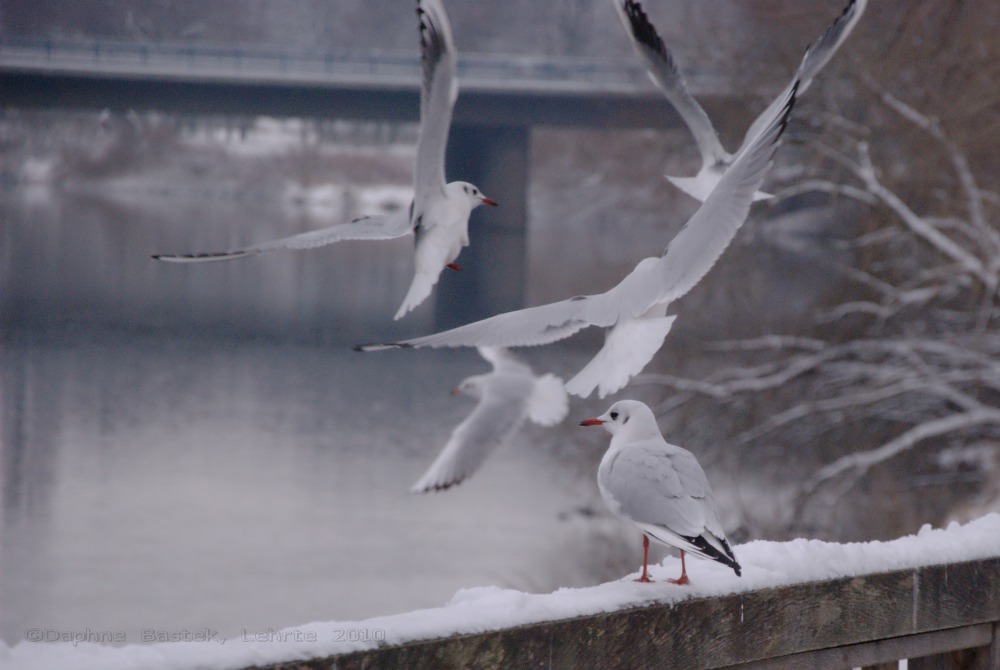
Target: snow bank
x,y
474,610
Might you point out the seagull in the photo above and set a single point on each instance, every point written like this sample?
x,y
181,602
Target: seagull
x,y
507,396
635,309
659,488
439,213
663,71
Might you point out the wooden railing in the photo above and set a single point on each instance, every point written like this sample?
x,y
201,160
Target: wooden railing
x,y
940,616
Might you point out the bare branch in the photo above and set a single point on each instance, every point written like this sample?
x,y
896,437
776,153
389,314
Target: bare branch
x,y
917,224
823,186
932,127
862,462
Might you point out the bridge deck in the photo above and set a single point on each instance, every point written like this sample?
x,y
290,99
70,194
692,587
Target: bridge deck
x,y
496,89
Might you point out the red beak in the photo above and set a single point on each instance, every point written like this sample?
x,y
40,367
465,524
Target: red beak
x,y
591,422
491,202
456,391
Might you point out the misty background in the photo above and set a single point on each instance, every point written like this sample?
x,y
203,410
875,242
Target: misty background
x,y
198,446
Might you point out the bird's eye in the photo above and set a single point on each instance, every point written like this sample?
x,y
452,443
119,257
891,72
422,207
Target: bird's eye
x,y
614,416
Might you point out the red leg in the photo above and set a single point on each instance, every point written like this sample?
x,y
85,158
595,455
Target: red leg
x,y
645,559
683,579
453,266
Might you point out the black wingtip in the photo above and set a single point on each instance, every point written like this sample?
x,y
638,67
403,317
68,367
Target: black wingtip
x,y
786,113
381,346
437,488
848,9
643,29
728,559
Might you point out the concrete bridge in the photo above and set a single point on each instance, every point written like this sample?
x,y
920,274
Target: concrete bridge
x,y
502,97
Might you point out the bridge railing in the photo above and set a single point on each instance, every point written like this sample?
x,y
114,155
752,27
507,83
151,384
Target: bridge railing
x,y
938,617
243,62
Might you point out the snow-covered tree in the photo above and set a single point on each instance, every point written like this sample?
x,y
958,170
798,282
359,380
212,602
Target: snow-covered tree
x,y
901,369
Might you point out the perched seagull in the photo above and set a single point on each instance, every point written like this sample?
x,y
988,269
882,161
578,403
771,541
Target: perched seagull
x,y
659,488
663,71
507,396
635,309
439,214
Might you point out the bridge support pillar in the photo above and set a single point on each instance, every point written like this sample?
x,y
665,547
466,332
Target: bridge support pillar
x,y
494,265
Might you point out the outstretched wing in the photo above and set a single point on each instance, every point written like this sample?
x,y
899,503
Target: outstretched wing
x,y
496,418
438,91
628,347
816,57
688,257
663,71
525,327
696,248
504,361
380,227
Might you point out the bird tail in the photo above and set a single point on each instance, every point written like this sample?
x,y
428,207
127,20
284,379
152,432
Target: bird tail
x,y
548,404
689,185
707,545
695,188
627,349
420,288
717,549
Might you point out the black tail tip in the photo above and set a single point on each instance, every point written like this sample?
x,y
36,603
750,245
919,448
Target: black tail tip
x,y
738,570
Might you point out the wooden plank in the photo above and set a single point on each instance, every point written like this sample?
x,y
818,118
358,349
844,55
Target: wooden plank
x,y
986,657
730,630
993,658
950,595
881,652
965,659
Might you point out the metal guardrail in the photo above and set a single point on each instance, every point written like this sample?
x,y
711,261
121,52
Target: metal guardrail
x,y
201,61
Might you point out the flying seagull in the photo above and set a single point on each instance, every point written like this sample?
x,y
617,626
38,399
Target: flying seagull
x,y
439,214
659,488
508,396
665,74
635,309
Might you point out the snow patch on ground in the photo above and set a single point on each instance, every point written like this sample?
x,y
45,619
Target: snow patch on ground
x,y
479,609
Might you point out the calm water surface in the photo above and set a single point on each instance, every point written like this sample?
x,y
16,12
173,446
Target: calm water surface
x,y
181,484
181,481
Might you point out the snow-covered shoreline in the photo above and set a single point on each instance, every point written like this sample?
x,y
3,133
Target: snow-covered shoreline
x,y
479,609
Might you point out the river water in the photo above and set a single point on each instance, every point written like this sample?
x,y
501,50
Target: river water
x,y
173,463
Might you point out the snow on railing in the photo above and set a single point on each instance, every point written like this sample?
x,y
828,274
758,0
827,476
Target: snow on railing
x,y
933,597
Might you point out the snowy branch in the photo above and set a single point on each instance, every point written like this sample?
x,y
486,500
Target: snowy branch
x,y
863,461
933,128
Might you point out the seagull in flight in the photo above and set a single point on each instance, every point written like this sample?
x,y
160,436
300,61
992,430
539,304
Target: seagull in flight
x,y
635,309
439,213
659,488
662,69
508,396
